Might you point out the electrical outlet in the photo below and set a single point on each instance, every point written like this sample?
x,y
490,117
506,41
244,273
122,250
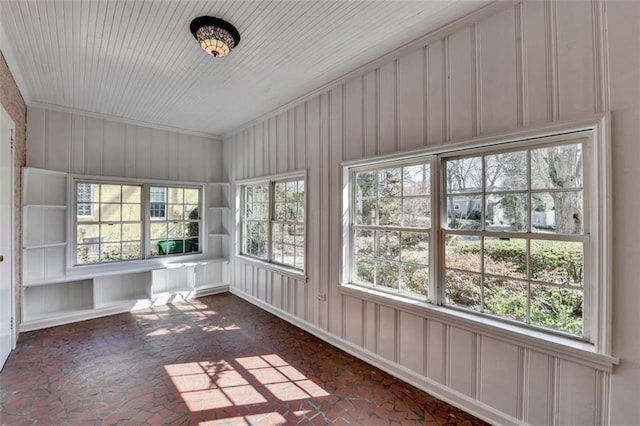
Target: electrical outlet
x,y
322,297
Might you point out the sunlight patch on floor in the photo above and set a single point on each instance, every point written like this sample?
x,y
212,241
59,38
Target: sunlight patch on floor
x,y
241,382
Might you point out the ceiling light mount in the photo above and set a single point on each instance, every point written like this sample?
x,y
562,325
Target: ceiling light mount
x,y
216,36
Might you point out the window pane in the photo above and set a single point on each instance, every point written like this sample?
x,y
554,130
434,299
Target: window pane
x,y
158,194
463,289
415,248
176,230
364,242
415,280
131,212
131,194
388,245
506,171
111,233
112,252
110,193
158,230
191,212
131,232
506,298
558,167
87,254
463,252
416,180
131,251
387,274
176,195
110,212
191,196
557,308
280,193
389,211
300,212
464,175
88,212
416,212
389,182
559,262
366,212
192,229
255,239
366,185
87,231
365,271
464,212
560,212
506,212
505,257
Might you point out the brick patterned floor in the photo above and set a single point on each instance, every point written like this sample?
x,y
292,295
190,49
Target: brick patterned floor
x,y
215,360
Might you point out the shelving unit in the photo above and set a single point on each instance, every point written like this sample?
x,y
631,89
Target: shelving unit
x,y
44,215
212,276
53,296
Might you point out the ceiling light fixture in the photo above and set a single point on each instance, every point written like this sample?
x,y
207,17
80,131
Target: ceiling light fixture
x,y
216,36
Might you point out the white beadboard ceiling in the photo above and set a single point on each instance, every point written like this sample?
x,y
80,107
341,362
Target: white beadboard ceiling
x,y
137,60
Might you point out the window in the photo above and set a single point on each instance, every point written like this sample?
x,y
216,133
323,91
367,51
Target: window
x,y
392,227
516,247
84,198
110,224
255,221
512,233
273,222
157,203
287,226
175,222
109,228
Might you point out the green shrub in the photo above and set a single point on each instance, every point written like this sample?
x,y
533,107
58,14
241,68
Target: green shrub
x,y
554,261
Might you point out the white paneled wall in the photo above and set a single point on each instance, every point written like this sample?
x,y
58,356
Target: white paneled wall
x,y
529,64
75,143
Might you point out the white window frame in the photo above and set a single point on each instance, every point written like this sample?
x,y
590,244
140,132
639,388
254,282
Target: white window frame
x,y
146,261
166,219
428,231
597,201
268,262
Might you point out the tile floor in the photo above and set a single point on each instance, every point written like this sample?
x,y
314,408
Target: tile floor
x,y
216,360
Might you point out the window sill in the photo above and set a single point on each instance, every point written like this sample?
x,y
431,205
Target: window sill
x,y
563,347
131,266
290,272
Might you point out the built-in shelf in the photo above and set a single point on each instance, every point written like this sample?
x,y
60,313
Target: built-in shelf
x,y
80,313
54,293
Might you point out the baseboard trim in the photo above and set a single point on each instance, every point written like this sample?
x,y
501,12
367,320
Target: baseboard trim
x,y
435,389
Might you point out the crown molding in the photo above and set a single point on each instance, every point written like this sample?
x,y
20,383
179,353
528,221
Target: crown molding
x,y
118,119
437,34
